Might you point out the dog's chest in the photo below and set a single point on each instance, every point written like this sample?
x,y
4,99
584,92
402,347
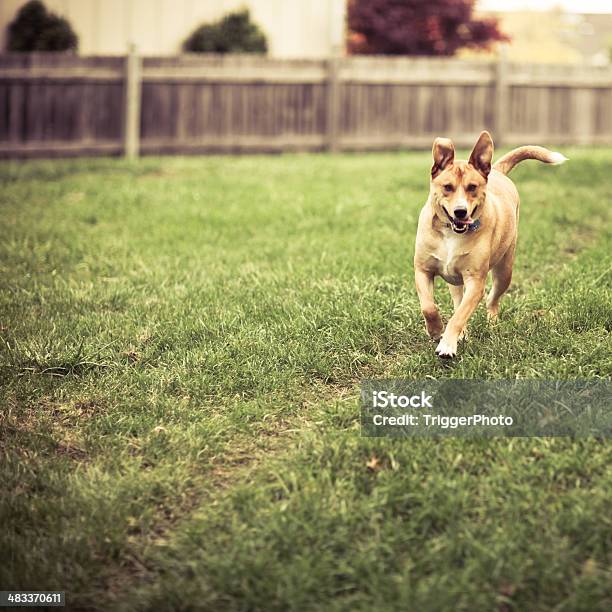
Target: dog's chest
x,y
448,256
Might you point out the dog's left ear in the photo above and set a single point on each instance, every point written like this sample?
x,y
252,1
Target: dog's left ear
x,y
482,153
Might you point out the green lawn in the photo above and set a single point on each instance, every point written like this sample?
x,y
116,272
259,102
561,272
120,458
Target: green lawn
x,y
182,341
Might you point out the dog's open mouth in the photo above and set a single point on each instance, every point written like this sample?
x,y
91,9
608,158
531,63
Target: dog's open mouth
x,y
459,226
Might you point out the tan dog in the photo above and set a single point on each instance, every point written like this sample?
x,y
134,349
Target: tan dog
x,y
467,227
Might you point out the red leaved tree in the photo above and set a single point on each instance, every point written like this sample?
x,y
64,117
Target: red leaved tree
x,y
418,27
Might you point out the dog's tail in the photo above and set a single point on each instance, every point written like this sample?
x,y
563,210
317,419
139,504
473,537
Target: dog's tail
x,y
509,160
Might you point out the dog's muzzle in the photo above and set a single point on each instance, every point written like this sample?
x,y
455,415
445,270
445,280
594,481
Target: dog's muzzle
x,y
459,226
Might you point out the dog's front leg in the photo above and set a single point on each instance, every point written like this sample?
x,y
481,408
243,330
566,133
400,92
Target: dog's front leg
x,y
424,282
474,291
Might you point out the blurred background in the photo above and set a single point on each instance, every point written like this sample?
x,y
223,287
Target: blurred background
x,y
161,76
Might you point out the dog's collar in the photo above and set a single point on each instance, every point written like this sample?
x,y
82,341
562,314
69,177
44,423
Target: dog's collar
x,y
472,227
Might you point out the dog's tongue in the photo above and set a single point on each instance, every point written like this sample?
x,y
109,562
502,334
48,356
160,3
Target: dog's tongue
x,y
463,221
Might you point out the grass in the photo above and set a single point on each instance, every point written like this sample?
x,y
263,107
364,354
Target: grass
x,y
181,345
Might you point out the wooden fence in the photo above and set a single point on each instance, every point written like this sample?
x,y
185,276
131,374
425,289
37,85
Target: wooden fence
x,y
68,105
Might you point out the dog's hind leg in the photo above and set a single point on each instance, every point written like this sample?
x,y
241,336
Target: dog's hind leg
x,y
456,292
502,275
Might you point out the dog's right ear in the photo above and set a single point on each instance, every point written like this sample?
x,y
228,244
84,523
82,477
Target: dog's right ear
x,y
443,153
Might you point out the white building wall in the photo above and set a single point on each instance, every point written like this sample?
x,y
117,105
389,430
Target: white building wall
x,y
294,28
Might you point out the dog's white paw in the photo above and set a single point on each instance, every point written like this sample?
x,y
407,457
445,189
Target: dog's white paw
x,y
446,349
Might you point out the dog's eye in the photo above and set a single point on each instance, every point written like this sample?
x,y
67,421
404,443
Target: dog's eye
x,y
448,187
471,188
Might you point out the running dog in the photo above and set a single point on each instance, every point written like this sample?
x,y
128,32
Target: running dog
x,y
467,227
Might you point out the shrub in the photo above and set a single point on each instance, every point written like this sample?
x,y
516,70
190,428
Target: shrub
x,y
37,29
418,27
234,33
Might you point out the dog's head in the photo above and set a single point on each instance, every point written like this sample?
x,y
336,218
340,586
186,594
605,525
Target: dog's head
x,y
458,188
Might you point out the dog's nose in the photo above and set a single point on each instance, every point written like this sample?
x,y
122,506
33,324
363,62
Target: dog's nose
x,y
460,213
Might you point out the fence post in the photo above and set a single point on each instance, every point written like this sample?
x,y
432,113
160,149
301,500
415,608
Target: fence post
x,y
332,104
133,92
502,92
584,115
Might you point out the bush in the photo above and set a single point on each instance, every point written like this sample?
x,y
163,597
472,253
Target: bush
x,y
418,27
36,29
234,33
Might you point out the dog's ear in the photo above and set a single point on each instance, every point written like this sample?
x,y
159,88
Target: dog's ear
x,y
482,153
443,153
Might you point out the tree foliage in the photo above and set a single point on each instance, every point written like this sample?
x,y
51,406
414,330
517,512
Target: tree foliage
x,y
234,33
418,27
37,29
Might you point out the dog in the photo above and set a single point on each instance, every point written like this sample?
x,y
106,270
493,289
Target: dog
x,y
467,227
